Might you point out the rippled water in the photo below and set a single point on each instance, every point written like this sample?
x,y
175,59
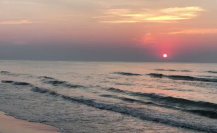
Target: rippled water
x,y
111,97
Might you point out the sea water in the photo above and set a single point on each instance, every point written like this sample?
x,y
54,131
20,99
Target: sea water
x,y
107,97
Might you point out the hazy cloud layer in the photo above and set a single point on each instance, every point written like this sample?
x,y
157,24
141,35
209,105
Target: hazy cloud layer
x,y
16,22
148,15
194,31
109,30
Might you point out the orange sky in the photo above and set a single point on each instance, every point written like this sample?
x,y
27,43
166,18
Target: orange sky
x,y
160,25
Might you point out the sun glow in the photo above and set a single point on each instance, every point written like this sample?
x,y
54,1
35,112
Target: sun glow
x,y
165,55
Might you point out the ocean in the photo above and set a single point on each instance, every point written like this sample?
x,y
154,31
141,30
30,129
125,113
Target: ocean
x,y
112,97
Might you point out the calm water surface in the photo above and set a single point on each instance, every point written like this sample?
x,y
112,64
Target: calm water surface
x,y
111,97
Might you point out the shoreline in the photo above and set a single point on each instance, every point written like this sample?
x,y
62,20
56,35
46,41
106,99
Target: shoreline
x,y
9,124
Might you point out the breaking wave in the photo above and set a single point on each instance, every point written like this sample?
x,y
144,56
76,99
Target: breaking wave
x,y
212,72
172,70
16,82
127,74
206,113
181,77
137,113
169,101
55,82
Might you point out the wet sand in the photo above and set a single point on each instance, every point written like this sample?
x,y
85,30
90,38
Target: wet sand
x,y
10,124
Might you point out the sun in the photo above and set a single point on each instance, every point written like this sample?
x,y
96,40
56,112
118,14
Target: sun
x,y
165,55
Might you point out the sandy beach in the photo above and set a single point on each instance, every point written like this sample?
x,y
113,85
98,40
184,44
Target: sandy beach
x,y
10,124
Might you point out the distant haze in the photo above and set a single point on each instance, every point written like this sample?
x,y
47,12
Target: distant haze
x,y
115,30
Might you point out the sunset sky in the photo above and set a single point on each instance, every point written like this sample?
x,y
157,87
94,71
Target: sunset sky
x,y
109,30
